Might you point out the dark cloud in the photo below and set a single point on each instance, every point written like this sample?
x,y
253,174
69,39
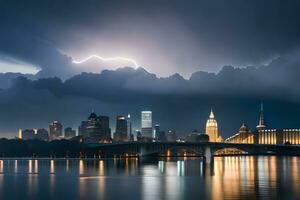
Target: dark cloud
x,y
177,103
165,37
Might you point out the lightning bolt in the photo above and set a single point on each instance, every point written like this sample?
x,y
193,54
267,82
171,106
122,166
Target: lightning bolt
x,y
106,59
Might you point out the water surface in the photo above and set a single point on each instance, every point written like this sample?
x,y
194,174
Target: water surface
x,y
233,177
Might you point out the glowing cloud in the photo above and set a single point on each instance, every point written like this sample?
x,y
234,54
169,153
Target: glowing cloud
x,y
106,59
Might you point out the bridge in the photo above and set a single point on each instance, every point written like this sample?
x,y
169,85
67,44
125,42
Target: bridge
x,y
207,150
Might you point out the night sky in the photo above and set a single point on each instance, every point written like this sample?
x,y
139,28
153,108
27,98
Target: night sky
x,y
192,56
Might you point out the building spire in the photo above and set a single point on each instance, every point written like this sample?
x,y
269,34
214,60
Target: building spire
x,y
211,115
261,123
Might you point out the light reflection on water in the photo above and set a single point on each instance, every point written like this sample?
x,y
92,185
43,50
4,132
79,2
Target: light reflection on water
x,y
232,177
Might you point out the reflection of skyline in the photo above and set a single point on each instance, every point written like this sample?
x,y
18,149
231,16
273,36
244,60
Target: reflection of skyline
x,y
232,177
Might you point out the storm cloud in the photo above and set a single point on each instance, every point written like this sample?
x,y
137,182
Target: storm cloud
x,y
177,103
164,37
195,55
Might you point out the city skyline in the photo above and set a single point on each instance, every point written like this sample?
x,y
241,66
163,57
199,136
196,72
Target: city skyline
x,y
149,99
122,132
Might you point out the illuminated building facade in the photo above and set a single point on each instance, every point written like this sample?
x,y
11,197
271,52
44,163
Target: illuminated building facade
x,y
146,124
267,136
262,135
244,136
212,129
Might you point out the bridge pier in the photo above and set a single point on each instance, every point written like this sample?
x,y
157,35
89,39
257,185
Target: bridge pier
x,y
208,157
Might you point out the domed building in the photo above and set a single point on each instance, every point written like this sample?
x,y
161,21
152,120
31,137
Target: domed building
x,y
212,128
244,128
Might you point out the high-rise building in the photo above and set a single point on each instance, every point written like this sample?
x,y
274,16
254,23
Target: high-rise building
x,y
41,134
105,130
69,133
146,124
93,127
55,129
27,134
96,128
156,131
121,129
138,135
82,128
34,134
171,136
162,136
129,126
212,128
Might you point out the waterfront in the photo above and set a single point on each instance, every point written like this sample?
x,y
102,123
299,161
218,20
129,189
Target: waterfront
x,y
232,177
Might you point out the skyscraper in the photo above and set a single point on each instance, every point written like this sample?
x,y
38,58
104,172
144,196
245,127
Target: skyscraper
x,y
93,127
212,128
171,136
55,129
121,129
82,128
129,128
27,134
41,134
146,124
105,130
34,134
69,133
96,128
156,131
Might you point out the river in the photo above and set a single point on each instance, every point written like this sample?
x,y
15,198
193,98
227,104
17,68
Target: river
x,y
232,177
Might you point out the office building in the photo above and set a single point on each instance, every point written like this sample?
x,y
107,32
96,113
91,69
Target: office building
x,y
156,131
171,136
41,134
161,136
34,134
121,129
55,129
82,128
129,128
27,134
95,128
146,124
104,123
69,133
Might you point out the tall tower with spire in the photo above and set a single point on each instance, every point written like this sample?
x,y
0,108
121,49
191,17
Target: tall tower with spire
x,y
212,128
129,127
261,124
